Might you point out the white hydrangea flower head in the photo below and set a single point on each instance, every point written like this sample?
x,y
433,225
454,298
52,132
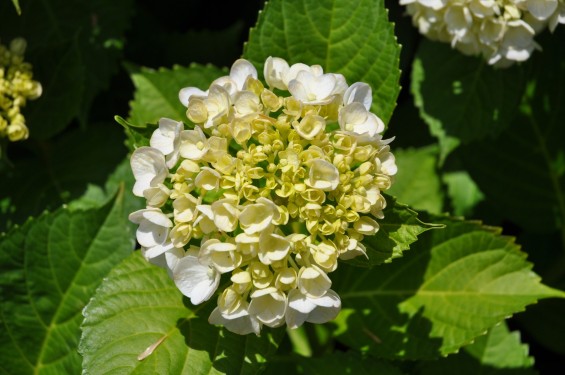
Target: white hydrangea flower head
x,y
271,185
502,31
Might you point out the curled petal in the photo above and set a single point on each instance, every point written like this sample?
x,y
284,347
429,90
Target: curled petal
x,y
149,169
195,280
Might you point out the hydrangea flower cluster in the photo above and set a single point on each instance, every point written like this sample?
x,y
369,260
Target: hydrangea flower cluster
x,y
271,187
501,30
16,87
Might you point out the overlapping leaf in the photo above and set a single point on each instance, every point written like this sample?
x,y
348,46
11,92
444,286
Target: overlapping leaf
x,y
354,38
139,322
463,98
74,47
59,171
49,268
397,231
527,162
498,352
451,287
417,183
156,91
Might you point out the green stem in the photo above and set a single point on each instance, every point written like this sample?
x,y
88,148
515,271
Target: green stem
x,y
300,342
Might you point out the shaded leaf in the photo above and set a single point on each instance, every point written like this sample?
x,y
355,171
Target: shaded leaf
x,y
346,363
74,46
49,269
452,286
138,306
397,231
463,98
156,91
498,352
417,183
353,38
59,171
527,162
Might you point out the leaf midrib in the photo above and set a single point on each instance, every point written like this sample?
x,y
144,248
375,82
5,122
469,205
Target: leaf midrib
x,y
65,295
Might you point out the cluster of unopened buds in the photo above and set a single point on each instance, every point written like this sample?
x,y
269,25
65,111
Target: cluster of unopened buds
x,y
501,30
271,186
16,87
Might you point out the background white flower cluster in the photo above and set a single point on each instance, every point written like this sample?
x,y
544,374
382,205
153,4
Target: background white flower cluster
x,y
501,30
270,189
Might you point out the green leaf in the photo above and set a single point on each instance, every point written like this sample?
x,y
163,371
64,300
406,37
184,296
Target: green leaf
x,y
49,269
96,196
156,91
74,46
353,38
463,193
463,98
138,306
346,363
59,171
527,162
498,352
451,287
417,182
398,230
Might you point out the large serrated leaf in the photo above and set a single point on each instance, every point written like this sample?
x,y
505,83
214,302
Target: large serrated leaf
x,y
49,269
462,98
397,231
138,307
498,352
452,286
156,91
353,38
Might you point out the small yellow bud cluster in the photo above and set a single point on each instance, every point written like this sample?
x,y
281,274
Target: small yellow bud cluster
x,y
16,87
501,30
273,189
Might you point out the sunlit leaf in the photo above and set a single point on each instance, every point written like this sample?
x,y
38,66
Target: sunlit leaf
x,y
139,322
353,38
397,231
498,352
156,91
49,269
453,285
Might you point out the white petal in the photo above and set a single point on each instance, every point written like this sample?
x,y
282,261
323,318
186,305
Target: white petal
x,y
328,307
241,70
187,92
275,72
165,137
149,169
542,9
242,325
359,92
194,280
